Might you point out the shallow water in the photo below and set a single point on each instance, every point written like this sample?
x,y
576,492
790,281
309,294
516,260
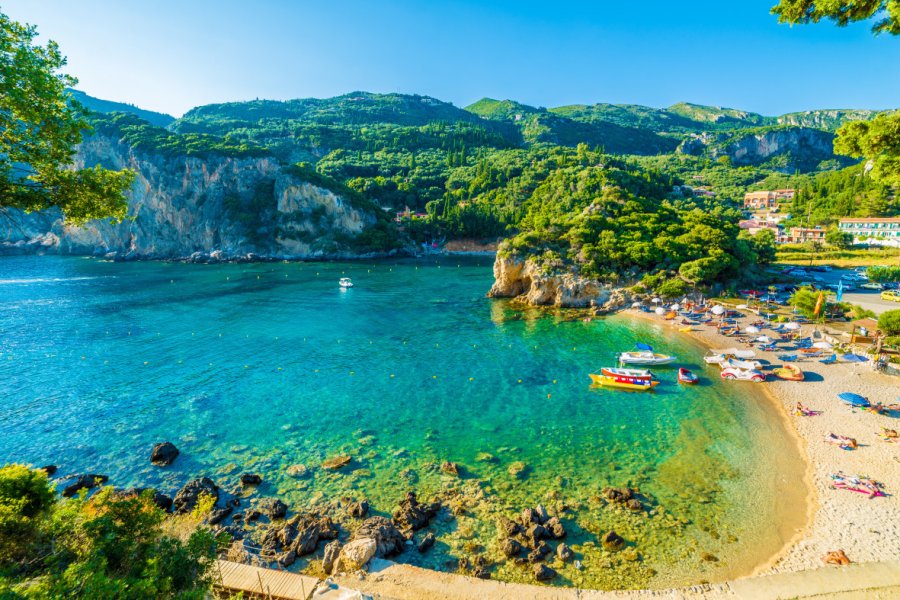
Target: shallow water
x,y
259,367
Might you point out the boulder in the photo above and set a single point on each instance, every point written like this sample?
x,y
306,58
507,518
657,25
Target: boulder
x,y
613,541
286,559
634,504
188,496
541,514
414,515
84,482
542,572
388,538
555,528
426,543
330,556
336,462
162,501
273,508
164,454
450,468
217,515
618,495
510,548
297,470
356,554
536,533
251,479
50,470
509,527
358,510
564,553
308,534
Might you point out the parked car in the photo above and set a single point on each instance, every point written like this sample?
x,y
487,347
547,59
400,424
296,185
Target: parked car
x,y
735,373
872,285
890,295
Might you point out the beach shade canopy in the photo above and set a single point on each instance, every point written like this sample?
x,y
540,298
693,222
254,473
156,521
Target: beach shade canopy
x,y
764,339
751,329
849,357
656,301
675,307
646,347
823,345
741,306
854,399
635,305
660,310
685,300
792,326
718,309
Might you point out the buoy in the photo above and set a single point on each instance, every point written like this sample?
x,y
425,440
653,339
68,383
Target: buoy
x,y
520,381
548,395
434,376
146,362
471,379
246,366
554,381
317,370
280,369
352,373
392,375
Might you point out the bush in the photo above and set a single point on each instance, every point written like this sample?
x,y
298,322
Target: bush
x,y
883,274
25,495
889,322
672,288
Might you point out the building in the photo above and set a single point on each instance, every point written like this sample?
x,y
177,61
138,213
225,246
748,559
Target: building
x,y
753,227
798,235
766,198
878,230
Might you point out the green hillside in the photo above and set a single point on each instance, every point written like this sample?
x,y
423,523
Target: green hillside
x,y
108,106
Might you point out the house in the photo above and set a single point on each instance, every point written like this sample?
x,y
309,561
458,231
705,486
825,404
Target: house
x,y
754,226
798,235
766,198
877,230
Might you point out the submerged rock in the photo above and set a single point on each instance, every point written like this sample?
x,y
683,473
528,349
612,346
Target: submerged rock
x,y
613,541
164,454
297,470
188,496
84,482
413,514
450,468
426,543
518,469
251,479
273,508
337,462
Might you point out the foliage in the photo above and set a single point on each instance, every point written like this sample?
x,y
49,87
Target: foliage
x,y
842,12
877,140
837,238
889,322
883,274
107,546
24,496
40,125
826,197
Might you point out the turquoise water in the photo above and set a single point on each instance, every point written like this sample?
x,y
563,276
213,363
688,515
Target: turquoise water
x,y
258,367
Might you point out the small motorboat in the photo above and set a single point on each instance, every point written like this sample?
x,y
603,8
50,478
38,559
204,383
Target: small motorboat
x,y
645,357
714,357
685,376
345,282
627,379
854,400
789,372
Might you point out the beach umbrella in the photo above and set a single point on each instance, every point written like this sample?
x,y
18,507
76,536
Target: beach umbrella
x,y
675,307
718,309
751,329
660,310
685,300
823,345
849,357
854,399
656,301
635,305
792,326
764,339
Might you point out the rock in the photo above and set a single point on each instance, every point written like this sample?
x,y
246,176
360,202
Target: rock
x,y
481,573
50,470
426,543
273,508
164,454
251,479
414,515
618,495
536,533
543,572
707,557
253,514
518,469
486,457
162,501
510,548
297,470
358,510
555,528
337,462
327,529
356,554
529,517
330,556
613,541
308,534
84,482
450,468
388,538
217,515
286,559
564,553
188,496
634,504
541,513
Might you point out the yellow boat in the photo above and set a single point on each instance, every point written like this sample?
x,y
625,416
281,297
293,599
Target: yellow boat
x,y
624,381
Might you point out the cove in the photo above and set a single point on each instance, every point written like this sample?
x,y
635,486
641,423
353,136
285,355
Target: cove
x,y
260,367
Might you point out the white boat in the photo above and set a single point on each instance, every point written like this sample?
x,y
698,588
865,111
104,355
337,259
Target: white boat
x,y
733,363
715,357
345,282
619,372
645,357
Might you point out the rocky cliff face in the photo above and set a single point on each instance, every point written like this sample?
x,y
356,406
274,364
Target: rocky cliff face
x,y
522,279
215,206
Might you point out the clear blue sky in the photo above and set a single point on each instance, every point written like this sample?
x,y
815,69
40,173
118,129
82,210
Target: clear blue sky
x,y
171,55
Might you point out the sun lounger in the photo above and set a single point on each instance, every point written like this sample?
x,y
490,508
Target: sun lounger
x,y
788,357
830,360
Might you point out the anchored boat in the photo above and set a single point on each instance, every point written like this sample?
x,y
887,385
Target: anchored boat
x,y
345,282
644,355
685,376
627,379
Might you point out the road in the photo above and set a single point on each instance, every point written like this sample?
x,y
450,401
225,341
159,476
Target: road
x,y
868,299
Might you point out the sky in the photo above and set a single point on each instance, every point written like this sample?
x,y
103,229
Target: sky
x,y
170,55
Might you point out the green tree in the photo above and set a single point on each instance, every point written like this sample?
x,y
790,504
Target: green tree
x,y
25,495
837,238
39,126
889,322
763,244
842,12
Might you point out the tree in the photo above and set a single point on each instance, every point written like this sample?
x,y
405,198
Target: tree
x,y
763,244
837,238
889,322
877,140
40,124
24,496
842,12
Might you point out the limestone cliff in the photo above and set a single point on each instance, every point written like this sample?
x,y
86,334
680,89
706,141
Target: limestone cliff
x,y
524,280
211,206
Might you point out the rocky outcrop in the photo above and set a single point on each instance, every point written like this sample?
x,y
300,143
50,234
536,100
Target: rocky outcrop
x,y
523,279
164,454
214,206
190,494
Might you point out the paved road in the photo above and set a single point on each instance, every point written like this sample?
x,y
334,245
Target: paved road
x,y
868,299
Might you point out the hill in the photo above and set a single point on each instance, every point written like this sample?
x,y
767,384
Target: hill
x,y
108,106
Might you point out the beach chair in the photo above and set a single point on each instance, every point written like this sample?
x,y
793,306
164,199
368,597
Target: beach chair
x,y
788,357
830,360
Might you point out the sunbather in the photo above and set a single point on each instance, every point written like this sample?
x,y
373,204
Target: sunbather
x,y
844,442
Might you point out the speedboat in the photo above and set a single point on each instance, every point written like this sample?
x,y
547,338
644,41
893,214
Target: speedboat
x,y
628,379
685,376
345,282
645,357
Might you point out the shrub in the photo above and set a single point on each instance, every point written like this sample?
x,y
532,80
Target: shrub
x,y
889,322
